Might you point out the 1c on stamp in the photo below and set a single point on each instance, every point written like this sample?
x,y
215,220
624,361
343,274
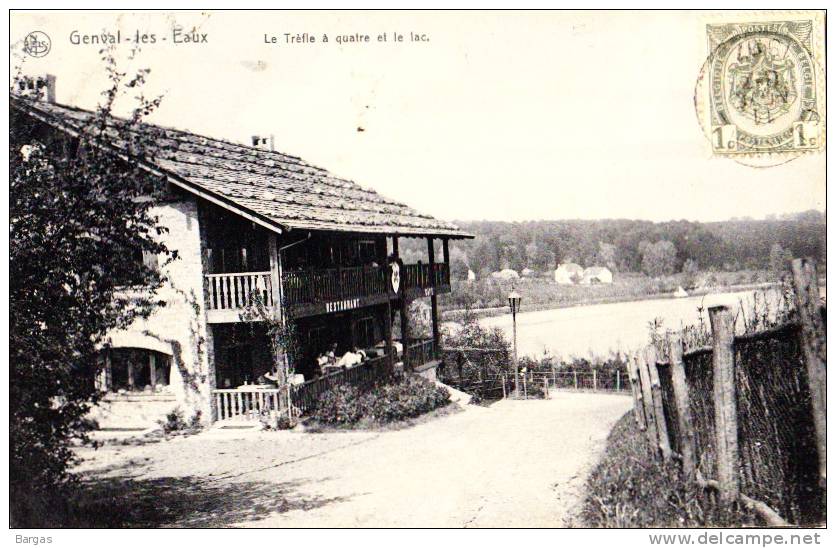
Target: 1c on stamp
x,y
763,88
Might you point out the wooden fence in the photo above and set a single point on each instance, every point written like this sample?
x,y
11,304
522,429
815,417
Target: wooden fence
x,y
745,416
248,405
305,396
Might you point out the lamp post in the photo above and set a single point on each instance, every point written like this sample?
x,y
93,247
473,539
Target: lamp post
x,y
514,299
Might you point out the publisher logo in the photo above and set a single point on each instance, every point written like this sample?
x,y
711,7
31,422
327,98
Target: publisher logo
x,y
37,44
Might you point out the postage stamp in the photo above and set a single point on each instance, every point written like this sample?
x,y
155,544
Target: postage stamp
x,y
764,88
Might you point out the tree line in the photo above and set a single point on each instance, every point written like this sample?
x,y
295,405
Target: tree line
x,y
634,246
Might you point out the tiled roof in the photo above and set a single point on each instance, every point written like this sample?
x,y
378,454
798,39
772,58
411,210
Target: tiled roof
x,y
281,189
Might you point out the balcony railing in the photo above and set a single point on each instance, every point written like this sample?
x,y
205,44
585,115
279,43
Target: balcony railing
x,y
248,402
319,291
333,284
235,291
421,275
364,285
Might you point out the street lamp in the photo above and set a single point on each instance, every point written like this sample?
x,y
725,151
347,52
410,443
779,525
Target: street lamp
x,y
514,299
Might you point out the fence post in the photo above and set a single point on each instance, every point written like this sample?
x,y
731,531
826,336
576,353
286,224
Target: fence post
x,y
504,395
683,406
658,403
594,380
576,379
814,345
618,380
647,401
545,388
725,403
635,388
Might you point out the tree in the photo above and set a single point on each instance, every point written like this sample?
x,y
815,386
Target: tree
x,y
476,353
458,268
690,269
606,255
79,218
659,259
779,260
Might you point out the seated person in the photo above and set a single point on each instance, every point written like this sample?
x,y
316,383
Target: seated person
x,y
329,360
271,378
351,358
332,354
397,347
322,362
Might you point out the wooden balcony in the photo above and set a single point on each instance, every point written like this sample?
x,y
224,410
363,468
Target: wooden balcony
x,y
329,290
325,291
418,279
228,295
320,291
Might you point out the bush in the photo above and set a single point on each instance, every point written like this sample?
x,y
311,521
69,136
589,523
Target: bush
x,y
277,421
410,397
339,405
405,398
175,422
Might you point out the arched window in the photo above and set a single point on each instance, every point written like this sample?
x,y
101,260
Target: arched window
x,y
134,370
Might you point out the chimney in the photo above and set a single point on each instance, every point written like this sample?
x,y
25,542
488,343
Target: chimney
x,y
264,143
39,87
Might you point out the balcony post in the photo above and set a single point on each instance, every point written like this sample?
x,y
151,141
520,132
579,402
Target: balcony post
x,y
387,332
279,358
434,297
446,256
275,276
403,309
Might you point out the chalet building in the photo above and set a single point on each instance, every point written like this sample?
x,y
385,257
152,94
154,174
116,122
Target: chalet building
x,y
250,223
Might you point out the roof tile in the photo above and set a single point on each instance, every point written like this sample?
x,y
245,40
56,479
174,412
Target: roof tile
x,y
280,187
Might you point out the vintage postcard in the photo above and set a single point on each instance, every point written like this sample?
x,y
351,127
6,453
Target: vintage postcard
x,y
418,269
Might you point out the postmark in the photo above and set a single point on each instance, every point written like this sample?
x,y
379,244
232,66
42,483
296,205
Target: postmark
x,y
762,90
37,44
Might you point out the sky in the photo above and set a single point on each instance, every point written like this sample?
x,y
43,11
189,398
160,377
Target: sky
x,y
500,116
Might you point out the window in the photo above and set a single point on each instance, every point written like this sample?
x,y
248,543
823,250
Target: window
x,y
134,370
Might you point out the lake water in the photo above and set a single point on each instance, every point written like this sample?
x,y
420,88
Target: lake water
x,y
601,328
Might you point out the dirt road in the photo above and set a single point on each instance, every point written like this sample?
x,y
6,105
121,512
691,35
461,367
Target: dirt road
x,y
516,463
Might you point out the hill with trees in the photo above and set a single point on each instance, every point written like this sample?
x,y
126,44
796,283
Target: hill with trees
x,y
622,245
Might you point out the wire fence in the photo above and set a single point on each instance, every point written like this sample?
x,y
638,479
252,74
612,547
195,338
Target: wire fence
x,y
746,415
538,384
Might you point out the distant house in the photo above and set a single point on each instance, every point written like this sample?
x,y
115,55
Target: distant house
x,y
596,275
505,274
527,273
568,273
471,276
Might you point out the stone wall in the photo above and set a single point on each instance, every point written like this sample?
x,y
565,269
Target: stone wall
x,y
179,328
